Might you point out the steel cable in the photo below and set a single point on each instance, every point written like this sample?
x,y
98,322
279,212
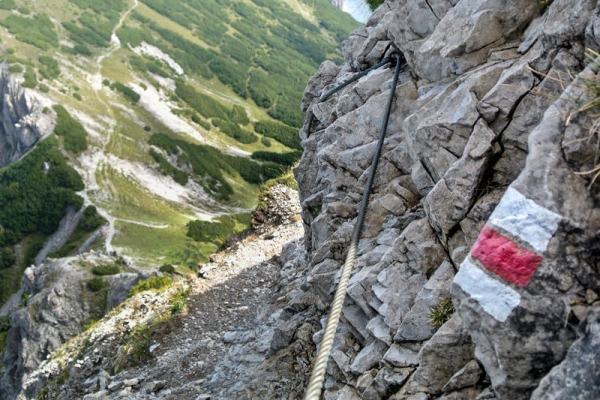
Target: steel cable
x,y
313,391
343,85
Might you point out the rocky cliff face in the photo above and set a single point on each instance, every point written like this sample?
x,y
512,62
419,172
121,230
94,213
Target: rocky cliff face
x,y
484,195
54,307
22,120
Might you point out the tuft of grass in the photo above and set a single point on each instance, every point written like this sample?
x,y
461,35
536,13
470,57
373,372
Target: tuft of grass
x,y
441,313
154,283
591,105
136,348
178,300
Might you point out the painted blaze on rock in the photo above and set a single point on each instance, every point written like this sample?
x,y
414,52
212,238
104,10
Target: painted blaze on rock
x,y
525,221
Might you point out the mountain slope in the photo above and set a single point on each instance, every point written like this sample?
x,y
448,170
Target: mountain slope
x,y
160,101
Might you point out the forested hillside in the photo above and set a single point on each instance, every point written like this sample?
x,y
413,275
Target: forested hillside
x,y
170,115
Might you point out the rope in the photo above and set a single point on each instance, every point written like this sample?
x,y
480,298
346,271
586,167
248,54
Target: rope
x,y
313,392
343,85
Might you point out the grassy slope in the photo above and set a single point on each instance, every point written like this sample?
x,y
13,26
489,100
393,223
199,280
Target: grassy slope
x,y
121,134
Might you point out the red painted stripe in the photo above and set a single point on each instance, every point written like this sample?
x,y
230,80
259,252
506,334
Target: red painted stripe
x,y
505,258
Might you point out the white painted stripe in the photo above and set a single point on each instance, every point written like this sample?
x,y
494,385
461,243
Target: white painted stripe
x,y
495,298
524,218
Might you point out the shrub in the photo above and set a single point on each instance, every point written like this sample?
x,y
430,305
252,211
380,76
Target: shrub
x,y
287,159
74,133
284,134
44,89
153,283
106,82
30,78
232,129
49,68
265,141
128,92
96,284
77,96
7,5
167,269
373,4
196,118
15,69
102,270
82,49
37,31
147,128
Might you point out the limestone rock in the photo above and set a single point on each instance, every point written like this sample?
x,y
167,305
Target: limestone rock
x,y
576,376
23,123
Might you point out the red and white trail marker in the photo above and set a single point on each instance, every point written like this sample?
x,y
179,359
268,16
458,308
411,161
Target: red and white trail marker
x,y
528,223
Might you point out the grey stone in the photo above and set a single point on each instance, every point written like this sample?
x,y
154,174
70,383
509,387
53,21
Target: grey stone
x,y
23,122
98,395
577,375
401,356
417,325
441,357
115,386
368,357
469,375
237,337
158,385
452,197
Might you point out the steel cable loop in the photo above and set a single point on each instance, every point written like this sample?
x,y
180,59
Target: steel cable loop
x,y
356,77
313,392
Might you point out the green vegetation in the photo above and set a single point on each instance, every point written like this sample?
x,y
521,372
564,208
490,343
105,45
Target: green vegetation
x,y
95,24
203,104
178,175
37,31
285,179
266,142
78,97
441,313
7,5
49,68
211,232
233,130
284,134
103,270
74,134
32,201
153,283
287,159
135,350
15,69
128,92
4,328
96,284
89,222
210,164
167,269
30,78
373,4
265,52
196,118
178,300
